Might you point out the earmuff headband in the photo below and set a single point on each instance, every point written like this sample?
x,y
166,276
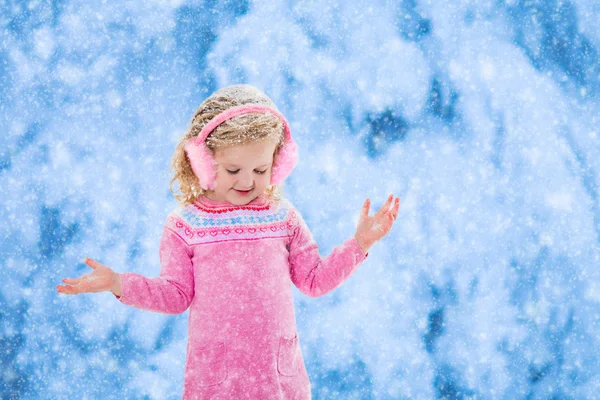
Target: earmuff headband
x,y
203,162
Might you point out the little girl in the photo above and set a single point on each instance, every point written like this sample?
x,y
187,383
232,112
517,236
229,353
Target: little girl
x,y
230,249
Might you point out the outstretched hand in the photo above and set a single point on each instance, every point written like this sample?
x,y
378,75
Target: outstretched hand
x,y
372,229
102,279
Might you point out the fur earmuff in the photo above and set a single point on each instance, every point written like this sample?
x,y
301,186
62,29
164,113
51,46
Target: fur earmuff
x,y
203,162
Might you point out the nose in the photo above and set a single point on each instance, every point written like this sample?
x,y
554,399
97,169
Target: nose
x,y
245,181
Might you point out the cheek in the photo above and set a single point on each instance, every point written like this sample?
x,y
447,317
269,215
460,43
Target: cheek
x,y
231,180
225,180
266,179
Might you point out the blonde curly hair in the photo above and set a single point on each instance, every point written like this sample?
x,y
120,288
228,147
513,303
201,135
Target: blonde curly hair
x,y
240,130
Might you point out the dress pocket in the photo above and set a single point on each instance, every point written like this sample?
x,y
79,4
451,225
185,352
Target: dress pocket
x,y
288,356
208,365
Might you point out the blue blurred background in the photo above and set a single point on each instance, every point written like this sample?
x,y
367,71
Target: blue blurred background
x,y
482,116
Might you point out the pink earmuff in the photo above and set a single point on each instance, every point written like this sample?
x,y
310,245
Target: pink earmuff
x,y
204,164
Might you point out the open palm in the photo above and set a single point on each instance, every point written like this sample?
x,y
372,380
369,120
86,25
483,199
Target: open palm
x,y
371,229
102,279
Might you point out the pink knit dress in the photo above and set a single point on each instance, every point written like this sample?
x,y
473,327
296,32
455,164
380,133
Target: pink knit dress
x,y
233,267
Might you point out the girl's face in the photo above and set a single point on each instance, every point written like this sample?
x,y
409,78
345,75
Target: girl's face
x,y
243,172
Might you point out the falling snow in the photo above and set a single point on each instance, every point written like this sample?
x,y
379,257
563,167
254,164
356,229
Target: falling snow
x,y
482,116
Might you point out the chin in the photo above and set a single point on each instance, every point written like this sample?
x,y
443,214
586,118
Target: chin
x,y
242,201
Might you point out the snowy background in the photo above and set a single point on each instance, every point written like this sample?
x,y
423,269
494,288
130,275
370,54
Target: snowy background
x,y
482,116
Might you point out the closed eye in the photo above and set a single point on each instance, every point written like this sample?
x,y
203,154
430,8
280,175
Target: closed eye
x,y
236,171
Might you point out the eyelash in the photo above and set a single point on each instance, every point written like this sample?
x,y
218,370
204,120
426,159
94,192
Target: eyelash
x,y
235,172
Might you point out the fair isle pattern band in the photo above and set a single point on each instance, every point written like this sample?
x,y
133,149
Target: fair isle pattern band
x,y
196,226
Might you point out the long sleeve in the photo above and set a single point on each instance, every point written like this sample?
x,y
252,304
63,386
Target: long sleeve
x,y
316,276
172,291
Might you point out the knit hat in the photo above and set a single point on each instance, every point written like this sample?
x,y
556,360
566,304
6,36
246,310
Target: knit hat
x,y
253,100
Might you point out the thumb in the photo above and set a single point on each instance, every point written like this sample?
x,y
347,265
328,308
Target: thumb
x,y
365,208
91,263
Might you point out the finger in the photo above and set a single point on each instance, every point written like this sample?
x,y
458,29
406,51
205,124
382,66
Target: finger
x,y
82,287
71,281
390,217
385,221
384,208
67,289
396,208
386,224
91,263
79,280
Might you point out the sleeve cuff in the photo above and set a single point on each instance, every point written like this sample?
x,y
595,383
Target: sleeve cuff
x,y
357,249
123,284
